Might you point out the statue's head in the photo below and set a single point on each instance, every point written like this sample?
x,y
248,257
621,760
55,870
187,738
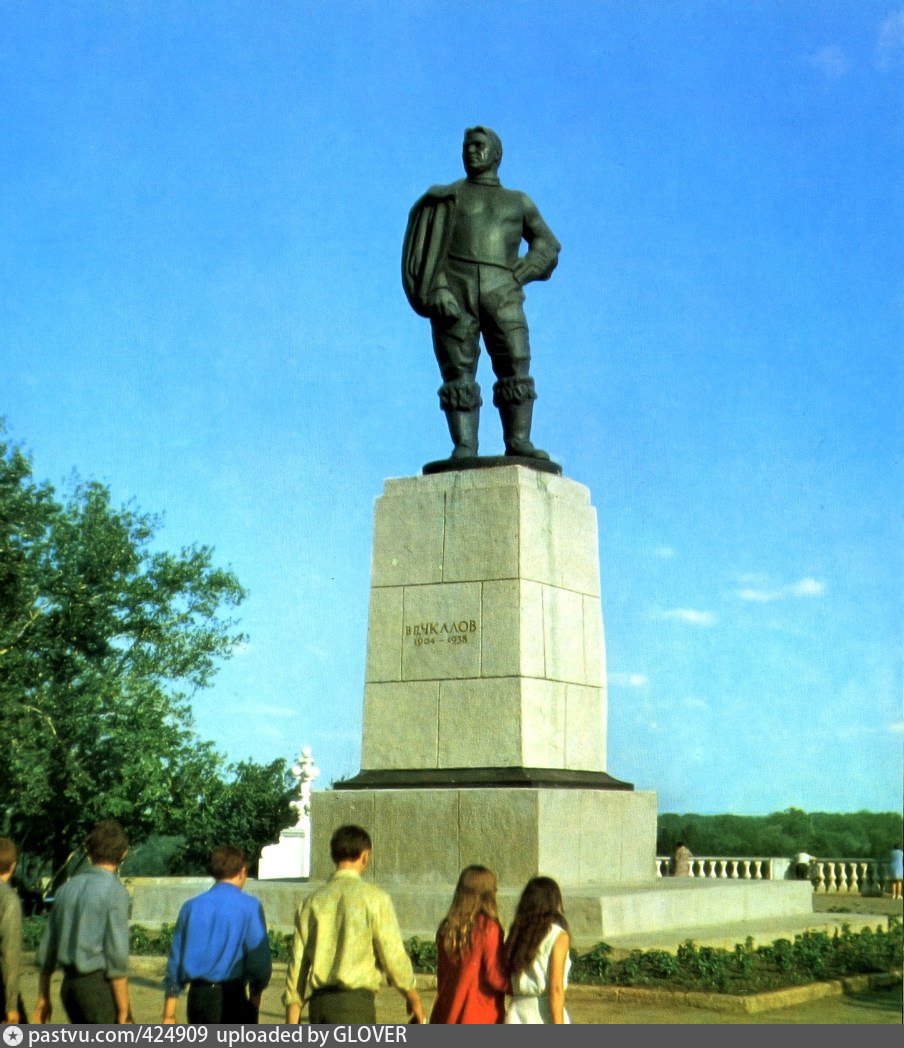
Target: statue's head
x,y
481,150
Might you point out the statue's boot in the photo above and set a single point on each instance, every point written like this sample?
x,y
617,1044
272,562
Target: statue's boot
x,y
516,422
463,427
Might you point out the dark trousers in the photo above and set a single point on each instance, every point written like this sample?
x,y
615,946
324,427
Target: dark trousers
x,y
20,1007
491,304
224,1002
88,998
343,1007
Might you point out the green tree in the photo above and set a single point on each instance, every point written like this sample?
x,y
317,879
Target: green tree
x,y
248,806
861,834
104,638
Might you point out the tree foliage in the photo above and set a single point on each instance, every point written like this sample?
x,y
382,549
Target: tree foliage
x,y
244,808
104,638
827,835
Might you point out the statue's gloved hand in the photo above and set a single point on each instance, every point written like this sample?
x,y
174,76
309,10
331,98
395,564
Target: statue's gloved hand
x,y
442,303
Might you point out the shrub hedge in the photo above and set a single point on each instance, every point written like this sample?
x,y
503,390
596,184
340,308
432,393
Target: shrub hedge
x,y
811,957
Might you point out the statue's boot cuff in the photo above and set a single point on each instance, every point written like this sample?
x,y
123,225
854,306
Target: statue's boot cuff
x,y
459,395
513,391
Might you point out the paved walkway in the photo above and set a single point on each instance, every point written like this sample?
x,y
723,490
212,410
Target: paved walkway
x,y
585,1005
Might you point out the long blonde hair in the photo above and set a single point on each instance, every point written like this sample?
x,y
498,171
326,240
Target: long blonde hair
x,y
475,894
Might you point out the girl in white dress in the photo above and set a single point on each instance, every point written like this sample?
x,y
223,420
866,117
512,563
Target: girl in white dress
x,y
536,953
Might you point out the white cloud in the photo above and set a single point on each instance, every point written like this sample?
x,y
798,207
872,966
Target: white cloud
x,y
807,588
757,596
897,728
763,594
629,680
691,616
890,42
664,552
693,703
830,61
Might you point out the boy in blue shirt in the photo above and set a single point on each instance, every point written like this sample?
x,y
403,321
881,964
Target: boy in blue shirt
x,y
220,948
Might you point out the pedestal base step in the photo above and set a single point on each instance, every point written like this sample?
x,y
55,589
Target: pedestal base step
x,y
450,465
457,778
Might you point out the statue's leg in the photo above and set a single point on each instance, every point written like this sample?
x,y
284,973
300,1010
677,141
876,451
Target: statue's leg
x,y
514,397
456,345
460,400
505,332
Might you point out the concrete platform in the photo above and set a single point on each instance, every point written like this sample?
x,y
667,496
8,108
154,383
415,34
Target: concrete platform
x,y
625,913
660,915
763,932
662,906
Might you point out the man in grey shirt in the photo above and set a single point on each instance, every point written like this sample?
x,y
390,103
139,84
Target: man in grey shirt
x,y
87,935
10,935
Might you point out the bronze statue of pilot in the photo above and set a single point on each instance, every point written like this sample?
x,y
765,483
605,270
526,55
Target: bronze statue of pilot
x,y
462,269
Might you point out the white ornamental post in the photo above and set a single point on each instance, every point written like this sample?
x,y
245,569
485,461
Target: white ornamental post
x,y
305,771
290,857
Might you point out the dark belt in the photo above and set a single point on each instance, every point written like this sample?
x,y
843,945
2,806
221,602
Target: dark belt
x,y
71,972
224,983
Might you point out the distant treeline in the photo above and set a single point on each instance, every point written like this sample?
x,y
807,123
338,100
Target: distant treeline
x,y
862,834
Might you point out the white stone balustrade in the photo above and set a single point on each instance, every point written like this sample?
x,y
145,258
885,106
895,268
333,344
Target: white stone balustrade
x,y
830,876
722,867
850,876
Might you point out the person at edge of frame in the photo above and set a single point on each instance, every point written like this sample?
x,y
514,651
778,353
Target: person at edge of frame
x,y
10,936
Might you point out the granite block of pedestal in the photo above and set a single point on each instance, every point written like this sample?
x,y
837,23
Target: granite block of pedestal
x,y
485,637
427,836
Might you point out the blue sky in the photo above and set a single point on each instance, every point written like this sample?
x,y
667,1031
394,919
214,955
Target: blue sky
x,y
202,211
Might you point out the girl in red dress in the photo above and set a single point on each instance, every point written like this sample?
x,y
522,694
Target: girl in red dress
x,y
471,980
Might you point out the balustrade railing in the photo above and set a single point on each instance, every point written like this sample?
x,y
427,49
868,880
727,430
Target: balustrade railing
x,y
829,876
716,866
860,876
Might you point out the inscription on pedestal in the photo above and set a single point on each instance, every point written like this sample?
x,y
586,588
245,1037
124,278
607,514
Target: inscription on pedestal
x,y
441,632
455,632
441,648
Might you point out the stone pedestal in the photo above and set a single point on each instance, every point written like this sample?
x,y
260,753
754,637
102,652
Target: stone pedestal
x,y
485,720
484,735
485,642
427,836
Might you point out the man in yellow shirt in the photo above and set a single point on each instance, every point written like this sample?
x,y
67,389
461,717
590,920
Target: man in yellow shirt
x,y
346,935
